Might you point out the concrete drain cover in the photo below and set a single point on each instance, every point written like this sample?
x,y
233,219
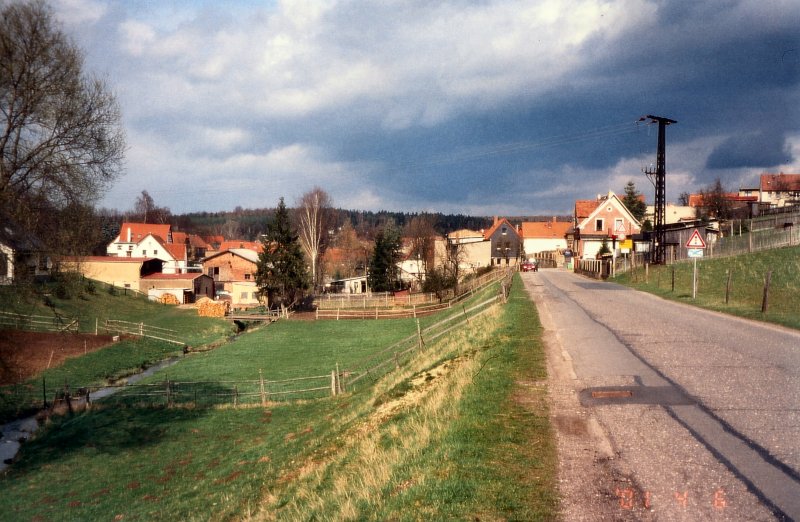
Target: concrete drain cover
x,y
661,395
611,394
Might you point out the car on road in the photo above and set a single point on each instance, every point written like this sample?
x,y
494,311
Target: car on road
x,y
530,266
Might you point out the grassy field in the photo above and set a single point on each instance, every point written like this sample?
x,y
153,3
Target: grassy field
x,y
123,358
443,437
747,275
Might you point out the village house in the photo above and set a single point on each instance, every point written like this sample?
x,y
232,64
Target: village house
x,y
186,288
779,190
234,275
545,236
150,240
602,221
505,243
469,247
123,272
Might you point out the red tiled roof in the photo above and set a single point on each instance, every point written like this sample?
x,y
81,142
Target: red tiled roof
x,y
255,246
780,182
140,230
176,250
547,229
584,208
497,225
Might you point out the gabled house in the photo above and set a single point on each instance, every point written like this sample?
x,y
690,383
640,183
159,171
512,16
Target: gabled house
x,y
21,255
196,247
544,236
605,220
505,243
234,273
150,240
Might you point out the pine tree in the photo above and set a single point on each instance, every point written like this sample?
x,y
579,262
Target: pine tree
x,y
634,203
282,273
383,271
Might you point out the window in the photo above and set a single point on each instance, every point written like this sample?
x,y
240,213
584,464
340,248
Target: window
x,y
598,225
144,252
155,252
247,277
504,231
619,227
119,247
244,295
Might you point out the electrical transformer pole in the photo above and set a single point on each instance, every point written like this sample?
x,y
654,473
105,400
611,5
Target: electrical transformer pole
x,y
658,245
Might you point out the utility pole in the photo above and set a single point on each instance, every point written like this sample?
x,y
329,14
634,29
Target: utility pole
x,y
658,177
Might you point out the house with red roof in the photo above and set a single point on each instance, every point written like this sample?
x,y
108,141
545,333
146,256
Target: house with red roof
x,y
605,220
150,240
544,236
779,190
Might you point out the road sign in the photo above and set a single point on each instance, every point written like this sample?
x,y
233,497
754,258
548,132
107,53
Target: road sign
x,y
628,243
696,240
694,252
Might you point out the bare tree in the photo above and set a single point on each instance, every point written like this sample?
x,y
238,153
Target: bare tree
x,y
145,210
420,230
61,141
314,216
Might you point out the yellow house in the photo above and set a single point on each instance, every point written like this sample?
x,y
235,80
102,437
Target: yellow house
x,y
123,272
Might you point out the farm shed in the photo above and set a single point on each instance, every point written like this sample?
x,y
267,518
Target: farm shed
x,y
187,288
124,272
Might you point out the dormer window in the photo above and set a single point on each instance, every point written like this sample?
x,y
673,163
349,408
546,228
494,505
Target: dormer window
x,y
504,230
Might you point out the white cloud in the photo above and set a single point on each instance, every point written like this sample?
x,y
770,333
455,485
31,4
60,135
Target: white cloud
x,y
75,13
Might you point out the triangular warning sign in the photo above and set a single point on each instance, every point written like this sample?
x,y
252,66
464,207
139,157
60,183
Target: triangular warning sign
x,y
696,240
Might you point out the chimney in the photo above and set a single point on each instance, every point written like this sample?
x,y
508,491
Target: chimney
x,y
129,234
495,221
554,219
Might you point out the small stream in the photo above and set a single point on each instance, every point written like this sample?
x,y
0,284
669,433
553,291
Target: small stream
x,y
14,433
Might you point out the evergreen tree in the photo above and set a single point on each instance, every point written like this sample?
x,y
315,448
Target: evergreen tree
x,y
282,273
383,272
634,203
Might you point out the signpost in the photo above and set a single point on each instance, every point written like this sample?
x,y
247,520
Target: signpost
x,y
695,247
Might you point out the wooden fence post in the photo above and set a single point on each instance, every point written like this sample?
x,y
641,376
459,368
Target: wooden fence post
x,y
728,286
333,383
263,395
419,336
169,394
673,278
235,396
765,300
338,379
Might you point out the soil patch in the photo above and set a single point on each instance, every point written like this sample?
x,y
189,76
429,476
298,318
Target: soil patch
x,y
25,354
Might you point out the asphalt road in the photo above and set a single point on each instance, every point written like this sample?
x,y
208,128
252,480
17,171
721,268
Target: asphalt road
x,y
695,415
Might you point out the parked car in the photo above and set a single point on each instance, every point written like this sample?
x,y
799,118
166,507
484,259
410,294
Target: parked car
x,y
530,266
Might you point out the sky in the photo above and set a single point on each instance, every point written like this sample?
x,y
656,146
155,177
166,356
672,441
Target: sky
x,y
488,107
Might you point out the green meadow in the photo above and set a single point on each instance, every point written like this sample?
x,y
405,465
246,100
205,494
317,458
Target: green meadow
x,y
444,436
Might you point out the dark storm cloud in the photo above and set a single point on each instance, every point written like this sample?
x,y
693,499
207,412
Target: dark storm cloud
x,y
760,150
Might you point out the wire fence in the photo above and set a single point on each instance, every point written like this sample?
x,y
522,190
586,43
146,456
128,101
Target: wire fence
x,y
253,392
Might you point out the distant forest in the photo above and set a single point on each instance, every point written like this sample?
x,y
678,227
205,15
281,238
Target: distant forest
x,y
249,224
